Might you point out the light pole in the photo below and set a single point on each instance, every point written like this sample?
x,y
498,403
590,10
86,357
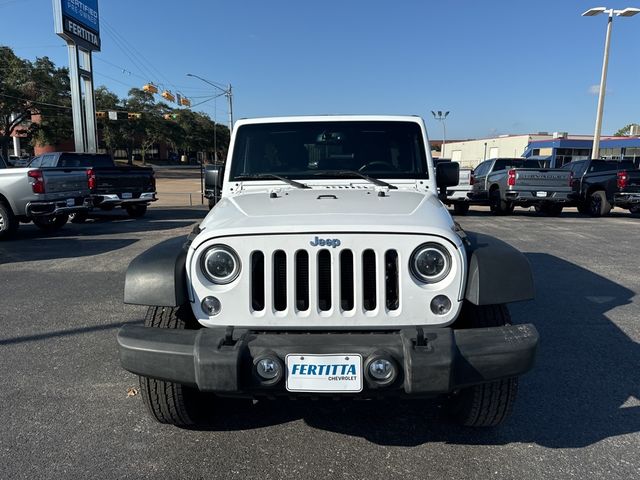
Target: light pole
x,y
441,116
627,12
226,91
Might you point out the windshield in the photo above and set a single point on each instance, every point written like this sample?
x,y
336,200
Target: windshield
x,y
380,149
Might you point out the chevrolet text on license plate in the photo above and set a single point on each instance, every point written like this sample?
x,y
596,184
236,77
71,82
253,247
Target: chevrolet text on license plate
x,y
324,373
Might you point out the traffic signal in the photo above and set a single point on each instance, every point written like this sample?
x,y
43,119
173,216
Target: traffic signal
x,y
170,116
134,116
185,101
101,114
150,88
167,95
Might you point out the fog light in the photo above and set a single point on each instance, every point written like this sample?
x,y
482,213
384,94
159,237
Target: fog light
x,y
381,369
440,305
211,306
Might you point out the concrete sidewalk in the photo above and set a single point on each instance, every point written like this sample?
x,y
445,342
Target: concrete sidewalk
x,y
181,189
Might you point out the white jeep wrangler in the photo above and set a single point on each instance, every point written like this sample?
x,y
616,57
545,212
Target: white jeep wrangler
x,y
330,268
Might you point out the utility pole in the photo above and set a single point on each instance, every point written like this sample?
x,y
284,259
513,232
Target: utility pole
x,y
226,91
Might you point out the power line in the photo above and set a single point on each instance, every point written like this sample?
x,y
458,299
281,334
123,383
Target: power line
x,y
34,101
140,55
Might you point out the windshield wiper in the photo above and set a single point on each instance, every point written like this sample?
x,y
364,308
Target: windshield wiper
x,y
267,176
350,173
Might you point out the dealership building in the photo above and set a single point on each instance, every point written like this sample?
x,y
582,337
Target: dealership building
x,y
558,147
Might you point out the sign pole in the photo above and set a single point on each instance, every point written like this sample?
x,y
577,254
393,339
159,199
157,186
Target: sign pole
x,y
76,98
86,74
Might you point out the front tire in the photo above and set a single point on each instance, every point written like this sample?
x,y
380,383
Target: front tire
x,y
51,223
136,211
169,402
488,404
8,221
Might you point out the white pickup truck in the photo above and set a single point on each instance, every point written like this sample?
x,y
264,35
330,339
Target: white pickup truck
x,y
329,268
44,196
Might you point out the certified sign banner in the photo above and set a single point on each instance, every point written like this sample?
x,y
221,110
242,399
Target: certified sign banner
x,y
84,12
78,21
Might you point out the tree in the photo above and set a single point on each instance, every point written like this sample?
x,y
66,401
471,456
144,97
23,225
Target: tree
x,y
151,127
113,132
625,131
28,89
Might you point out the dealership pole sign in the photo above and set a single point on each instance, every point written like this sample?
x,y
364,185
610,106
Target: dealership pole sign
x,y
78,22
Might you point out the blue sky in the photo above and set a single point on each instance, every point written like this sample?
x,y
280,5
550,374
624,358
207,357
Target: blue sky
x,y
499,67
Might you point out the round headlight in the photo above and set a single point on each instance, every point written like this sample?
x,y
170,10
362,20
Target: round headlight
x,y
430,263
220,264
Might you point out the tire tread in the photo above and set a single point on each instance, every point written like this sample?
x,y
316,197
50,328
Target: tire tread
x,y
167,402
489,404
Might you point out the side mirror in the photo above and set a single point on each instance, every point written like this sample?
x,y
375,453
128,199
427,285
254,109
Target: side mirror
x,y
213,178
447,174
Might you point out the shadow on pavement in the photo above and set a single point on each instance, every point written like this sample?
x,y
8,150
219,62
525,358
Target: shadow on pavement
x,y
20,250
587,368
102,223
65,333
530,212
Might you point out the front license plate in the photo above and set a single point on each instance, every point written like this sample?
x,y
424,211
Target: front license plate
x,y
70,202
324,373
127,195
541,194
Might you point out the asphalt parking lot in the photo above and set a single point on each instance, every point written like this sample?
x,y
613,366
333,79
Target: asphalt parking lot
x,y
66,412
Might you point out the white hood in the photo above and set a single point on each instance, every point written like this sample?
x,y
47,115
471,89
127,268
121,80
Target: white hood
x,y
328,210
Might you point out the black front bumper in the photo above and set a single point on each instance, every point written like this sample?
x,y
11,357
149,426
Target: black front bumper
x,y
430,360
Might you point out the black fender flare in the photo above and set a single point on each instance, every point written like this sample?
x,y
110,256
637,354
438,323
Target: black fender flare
x,y
497,272
158,276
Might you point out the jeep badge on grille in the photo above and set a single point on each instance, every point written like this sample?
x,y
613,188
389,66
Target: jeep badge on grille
x,y
325,242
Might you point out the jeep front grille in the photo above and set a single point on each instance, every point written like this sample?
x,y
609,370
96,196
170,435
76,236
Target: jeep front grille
x,y
343,279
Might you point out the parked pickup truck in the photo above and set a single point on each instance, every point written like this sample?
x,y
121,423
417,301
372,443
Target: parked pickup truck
x,y
600,185
503,183
131,188
329,269
45,196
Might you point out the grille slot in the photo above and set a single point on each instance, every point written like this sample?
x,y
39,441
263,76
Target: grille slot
x,y
257,281
369,297
346,280
279,280
392,280
302,280
324,280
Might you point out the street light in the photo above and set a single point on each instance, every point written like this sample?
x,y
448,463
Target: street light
x,y
226,91
627,12
441,116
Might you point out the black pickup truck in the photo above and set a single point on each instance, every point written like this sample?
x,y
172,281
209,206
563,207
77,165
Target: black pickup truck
x,y
600,185
131,188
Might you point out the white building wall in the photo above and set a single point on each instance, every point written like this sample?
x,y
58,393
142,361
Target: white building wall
x,y
471,152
